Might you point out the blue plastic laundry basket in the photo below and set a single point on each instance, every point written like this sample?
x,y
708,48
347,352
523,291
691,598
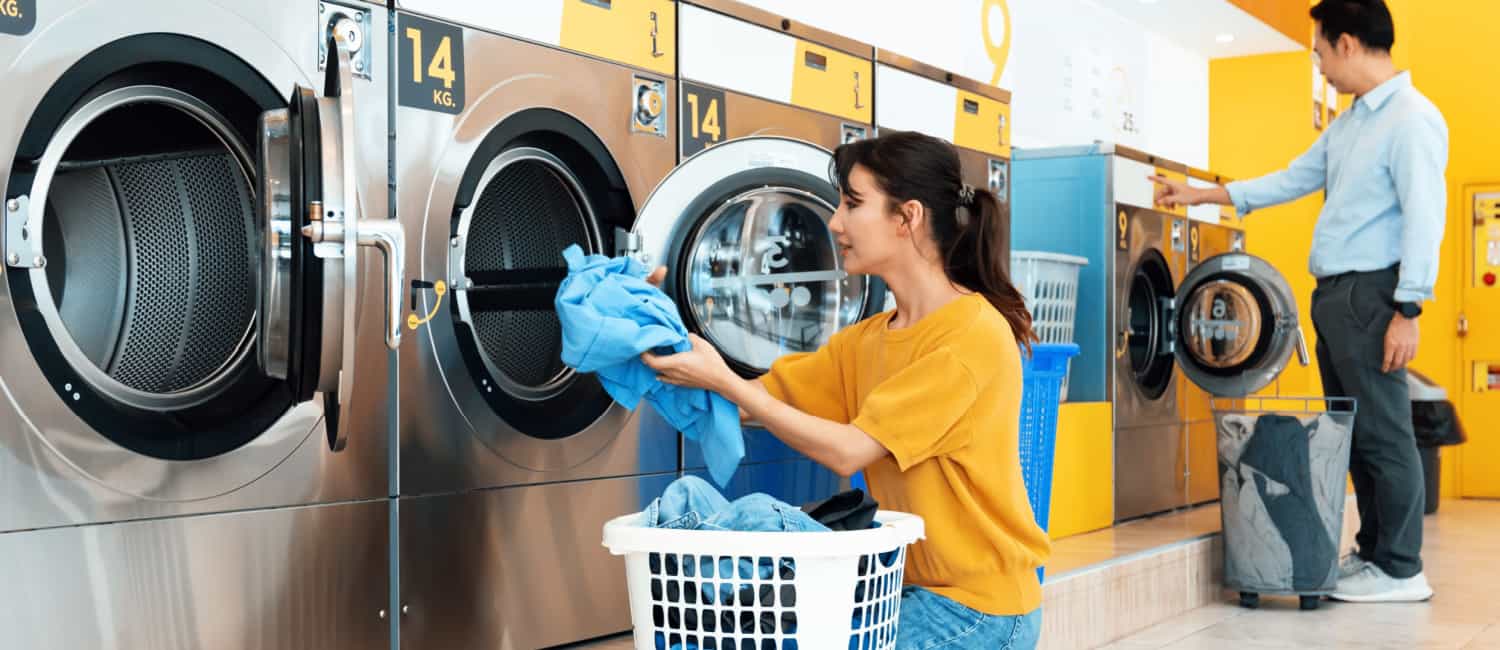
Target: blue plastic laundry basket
x,y
1042,376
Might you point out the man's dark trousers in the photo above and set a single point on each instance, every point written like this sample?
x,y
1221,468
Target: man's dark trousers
x,y
1351,313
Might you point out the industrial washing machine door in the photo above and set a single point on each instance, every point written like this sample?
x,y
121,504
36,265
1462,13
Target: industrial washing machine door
x,y
742,229
1235,325
139,274
310,214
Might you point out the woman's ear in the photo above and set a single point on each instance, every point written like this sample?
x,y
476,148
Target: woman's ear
x,y
912,215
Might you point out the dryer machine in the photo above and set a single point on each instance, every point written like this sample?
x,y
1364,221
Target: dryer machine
x,y
521,128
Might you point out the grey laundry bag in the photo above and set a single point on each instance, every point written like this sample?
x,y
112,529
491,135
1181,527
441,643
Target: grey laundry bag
x,y
1283,464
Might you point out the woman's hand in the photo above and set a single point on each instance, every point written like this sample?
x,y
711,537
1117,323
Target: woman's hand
x,y
700,367
657,275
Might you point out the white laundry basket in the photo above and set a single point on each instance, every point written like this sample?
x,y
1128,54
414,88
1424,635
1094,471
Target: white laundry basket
x,y
792,591
1049,284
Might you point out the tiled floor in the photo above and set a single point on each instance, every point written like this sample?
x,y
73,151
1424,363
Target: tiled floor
x,y
1462,554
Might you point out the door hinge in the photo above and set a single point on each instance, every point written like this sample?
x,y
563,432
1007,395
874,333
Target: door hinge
x,y
1463,325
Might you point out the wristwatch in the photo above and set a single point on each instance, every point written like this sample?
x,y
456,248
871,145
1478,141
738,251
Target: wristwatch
x,y
1409,309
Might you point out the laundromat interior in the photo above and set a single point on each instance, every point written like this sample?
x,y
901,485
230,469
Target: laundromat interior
x,y
290,345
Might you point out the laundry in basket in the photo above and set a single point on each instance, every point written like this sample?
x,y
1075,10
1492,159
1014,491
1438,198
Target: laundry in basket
x,y
1283,463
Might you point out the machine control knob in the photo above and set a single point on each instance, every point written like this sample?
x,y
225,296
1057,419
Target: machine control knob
x,y
648,102
1489,279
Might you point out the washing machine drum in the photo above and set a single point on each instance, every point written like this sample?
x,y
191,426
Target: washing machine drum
x,y
530,206
135,276
149,263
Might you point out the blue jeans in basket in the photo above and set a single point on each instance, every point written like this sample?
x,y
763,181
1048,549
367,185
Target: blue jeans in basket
x,y
691,503
930,622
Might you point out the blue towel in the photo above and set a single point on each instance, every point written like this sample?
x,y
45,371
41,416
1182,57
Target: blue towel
x,y
609,316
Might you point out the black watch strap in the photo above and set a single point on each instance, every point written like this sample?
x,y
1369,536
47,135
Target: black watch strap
x,y
1409,309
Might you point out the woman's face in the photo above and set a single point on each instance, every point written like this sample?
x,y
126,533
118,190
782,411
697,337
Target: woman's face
x,y
868,232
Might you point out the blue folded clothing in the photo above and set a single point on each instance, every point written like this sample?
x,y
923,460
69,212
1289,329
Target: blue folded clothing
x,y
609,316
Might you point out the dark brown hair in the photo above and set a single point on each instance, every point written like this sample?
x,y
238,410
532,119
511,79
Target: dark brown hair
x,y
967,223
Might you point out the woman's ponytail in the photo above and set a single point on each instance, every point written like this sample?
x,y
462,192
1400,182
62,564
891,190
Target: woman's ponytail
x,y
979,258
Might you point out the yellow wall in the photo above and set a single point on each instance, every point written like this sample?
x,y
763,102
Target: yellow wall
x,y
1261,117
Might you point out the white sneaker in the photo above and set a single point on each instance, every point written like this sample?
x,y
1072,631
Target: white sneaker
x,y
1372,585
1350,565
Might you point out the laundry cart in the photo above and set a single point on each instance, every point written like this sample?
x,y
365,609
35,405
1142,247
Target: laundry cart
x,y
1282,467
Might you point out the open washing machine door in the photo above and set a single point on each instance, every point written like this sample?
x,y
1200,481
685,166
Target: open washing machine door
x,y
742,229
1235,325
313,229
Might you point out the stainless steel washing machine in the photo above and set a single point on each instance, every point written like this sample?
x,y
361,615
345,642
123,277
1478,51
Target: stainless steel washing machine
x,y
1225,323
193,348
760,276
521,128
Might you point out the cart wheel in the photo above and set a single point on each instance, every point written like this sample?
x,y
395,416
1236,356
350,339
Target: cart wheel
x,y
1249,600
1309,603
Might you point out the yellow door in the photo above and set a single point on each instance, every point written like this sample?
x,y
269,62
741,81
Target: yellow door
x,y
1479,345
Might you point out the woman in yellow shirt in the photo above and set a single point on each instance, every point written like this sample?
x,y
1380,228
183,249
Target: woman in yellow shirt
x,y
925,399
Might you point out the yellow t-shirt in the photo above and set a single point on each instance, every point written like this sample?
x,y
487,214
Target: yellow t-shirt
x,y
943,396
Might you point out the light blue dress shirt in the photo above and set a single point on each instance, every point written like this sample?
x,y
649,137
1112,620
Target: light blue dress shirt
x,y
1382,164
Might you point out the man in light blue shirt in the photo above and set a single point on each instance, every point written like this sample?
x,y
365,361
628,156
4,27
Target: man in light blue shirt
x,y
1375,254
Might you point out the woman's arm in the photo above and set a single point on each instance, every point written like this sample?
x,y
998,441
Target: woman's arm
x,y
842,448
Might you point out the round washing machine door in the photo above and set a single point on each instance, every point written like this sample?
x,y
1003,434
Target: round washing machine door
x,y
539,181
140,253
1148,334
1235,325
743,231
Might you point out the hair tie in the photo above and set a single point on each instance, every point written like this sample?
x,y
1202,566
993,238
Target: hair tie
x,y
966,195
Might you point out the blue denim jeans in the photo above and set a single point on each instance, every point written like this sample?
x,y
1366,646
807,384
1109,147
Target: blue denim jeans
x,y
691,503
930,621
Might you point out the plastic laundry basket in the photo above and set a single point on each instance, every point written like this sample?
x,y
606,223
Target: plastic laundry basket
x,y
1049,284
1042,376
696,589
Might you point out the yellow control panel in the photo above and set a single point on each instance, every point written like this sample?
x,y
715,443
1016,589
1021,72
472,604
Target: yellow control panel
x,y
982,124
638,33
830,81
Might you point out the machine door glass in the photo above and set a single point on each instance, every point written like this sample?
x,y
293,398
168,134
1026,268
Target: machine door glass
x,y
743,231
313,230
1148,324
760,277
1235,325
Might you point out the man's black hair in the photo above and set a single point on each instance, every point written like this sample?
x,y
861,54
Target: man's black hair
x,y
1369,21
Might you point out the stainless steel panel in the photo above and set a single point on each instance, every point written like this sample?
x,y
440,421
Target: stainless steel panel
x,y
450,438
55,470
311,577
516,568
1150,468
